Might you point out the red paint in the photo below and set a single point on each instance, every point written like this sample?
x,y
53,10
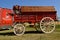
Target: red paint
x,y
5,18
34,17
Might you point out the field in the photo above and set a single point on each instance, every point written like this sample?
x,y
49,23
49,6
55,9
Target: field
x,y
30,34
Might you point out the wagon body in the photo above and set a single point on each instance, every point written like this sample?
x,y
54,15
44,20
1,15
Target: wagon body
x,y
42,17
34,14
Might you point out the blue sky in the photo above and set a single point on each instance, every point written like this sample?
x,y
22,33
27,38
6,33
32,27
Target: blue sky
x,y
10,3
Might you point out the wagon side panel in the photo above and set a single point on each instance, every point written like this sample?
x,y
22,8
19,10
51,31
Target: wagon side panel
x,y
45,14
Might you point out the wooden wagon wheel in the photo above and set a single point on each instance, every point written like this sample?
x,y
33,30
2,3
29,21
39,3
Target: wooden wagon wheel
x,y
19,29
47,25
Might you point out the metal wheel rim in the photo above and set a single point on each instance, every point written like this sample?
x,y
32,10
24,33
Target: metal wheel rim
x,y
19,30
48,25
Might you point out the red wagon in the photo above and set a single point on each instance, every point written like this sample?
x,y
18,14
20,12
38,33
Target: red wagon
x,y
42,17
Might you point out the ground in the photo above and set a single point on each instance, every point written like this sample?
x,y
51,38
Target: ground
x,y
30,34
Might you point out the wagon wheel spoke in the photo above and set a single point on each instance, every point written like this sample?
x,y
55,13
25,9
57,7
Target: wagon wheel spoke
x,y
48,29
19,29
48,25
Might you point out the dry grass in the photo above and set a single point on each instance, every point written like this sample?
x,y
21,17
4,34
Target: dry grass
x,y
57,22
31,34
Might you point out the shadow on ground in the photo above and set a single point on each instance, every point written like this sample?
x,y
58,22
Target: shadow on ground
x,y
7,33
3,29
33,32
27,32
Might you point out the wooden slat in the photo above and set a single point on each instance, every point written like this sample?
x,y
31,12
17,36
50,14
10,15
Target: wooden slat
x,y
37,8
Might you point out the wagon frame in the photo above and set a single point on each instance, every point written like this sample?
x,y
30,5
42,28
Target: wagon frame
x,y
42,17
